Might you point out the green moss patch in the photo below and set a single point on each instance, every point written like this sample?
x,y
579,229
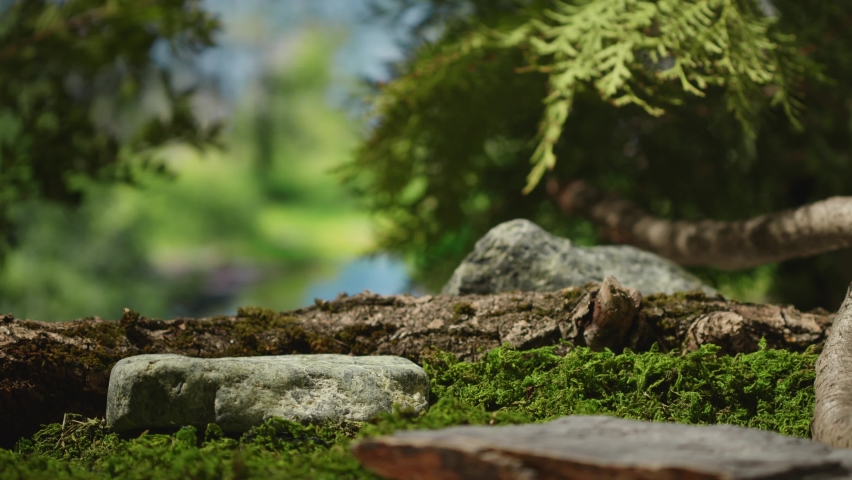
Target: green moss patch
x,y
768,389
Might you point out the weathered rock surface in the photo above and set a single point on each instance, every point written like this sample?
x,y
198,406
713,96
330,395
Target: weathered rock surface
x,y
598,447
520,255
162,391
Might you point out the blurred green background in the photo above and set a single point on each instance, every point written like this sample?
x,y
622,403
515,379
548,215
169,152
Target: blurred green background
x,y
260,222
175,156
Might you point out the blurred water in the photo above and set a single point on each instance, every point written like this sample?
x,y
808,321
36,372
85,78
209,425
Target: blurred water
x,y
227,289
383,274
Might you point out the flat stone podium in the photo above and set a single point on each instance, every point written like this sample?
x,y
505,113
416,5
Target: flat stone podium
x,y
583,447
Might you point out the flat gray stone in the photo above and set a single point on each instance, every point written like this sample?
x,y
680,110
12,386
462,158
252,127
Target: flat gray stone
x,y
600,447
164,390
520,255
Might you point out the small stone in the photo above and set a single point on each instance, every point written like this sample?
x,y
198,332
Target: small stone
x,y
600,447
520,255
164,390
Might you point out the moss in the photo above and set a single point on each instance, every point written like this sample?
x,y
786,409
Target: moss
x,y
666,313
264,315
129,319
259,318
264,332
361,338
106,334
326,306
463,308
524,306
572,295
96,356
768,389
681,303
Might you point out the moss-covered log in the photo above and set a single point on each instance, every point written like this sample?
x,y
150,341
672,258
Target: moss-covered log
x,y
48,369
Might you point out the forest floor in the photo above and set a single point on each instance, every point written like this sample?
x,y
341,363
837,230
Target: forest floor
x,y
767,389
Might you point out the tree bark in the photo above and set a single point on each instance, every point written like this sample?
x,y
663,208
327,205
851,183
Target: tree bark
x,y
808,230
48,369
832,421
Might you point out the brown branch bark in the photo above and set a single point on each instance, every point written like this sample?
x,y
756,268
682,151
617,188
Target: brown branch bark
x,y
809,230
48,369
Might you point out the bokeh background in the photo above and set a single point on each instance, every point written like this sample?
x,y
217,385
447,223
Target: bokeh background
x,y
260,222
113,193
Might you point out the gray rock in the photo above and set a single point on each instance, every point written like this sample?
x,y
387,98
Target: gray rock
x,y
164,390
520,255
598,447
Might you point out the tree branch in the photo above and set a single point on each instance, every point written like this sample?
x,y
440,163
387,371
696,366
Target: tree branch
x,y
812,229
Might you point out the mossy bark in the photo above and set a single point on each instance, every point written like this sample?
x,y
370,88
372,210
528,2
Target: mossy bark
x,y
48,369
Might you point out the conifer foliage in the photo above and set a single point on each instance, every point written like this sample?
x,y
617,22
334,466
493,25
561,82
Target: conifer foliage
x,y
629,50
720,109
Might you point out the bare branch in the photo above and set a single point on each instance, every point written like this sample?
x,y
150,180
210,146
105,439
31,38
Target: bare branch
x,y
809,230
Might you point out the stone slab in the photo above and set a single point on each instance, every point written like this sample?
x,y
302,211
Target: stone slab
x,y
601,447
164,390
